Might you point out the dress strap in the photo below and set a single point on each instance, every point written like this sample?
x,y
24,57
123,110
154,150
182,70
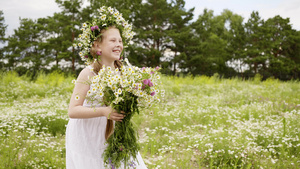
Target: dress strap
x,y
91,69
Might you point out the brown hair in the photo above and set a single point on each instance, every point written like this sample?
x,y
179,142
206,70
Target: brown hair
x,y
97,66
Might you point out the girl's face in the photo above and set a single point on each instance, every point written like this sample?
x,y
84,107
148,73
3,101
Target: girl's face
x,y
111,45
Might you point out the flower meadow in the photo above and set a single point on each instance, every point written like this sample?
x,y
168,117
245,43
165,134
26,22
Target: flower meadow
x,y
201,122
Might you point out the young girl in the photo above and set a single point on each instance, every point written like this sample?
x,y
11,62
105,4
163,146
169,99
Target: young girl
x,y
89,126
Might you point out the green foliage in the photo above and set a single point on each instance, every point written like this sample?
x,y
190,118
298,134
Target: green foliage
x,y
122,144
166,36
257,78
2,27
2,36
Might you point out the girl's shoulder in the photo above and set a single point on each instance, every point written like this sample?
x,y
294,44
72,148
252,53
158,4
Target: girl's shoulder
x,y
86,73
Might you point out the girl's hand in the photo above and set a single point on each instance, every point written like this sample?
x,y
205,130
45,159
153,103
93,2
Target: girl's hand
x,y
112,114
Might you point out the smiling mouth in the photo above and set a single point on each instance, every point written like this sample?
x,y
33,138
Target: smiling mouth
x,y
117,51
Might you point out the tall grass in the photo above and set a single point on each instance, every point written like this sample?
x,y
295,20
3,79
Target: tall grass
x,y
202,122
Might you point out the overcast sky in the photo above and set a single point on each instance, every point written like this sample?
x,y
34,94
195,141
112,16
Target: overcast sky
x,y
13,9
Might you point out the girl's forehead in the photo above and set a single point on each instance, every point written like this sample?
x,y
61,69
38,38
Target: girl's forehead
x,y
112,32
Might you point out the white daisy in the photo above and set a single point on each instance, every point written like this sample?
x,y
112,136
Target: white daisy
x,y
103,17
77,97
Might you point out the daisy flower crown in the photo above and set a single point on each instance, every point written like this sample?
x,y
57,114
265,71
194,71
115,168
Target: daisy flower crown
x,y
91,31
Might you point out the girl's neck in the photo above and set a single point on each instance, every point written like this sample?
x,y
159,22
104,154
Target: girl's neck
x,y
108,63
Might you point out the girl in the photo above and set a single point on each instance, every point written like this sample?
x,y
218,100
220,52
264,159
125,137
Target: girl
x,y
89,127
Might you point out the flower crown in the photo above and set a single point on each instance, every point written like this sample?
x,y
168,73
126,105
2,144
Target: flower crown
x,y
91,31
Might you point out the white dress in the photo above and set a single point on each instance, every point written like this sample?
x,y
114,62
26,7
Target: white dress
x,y
85,140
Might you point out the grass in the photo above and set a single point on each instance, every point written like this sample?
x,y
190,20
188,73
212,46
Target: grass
x,y
202,122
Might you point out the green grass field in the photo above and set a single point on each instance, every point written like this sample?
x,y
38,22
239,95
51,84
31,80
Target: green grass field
x,y
202,122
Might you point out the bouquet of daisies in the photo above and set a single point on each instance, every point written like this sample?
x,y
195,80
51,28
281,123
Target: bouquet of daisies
x,y
127,89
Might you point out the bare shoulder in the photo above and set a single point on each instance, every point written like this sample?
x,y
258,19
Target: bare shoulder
x,y
85,74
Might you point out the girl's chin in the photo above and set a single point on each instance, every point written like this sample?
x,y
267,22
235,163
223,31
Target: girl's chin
x,y
117,56
111,57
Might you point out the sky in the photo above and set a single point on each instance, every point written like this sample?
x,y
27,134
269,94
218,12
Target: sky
x,y
13,9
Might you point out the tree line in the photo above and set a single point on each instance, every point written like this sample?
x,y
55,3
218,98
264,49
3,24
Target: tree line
x,y
167,35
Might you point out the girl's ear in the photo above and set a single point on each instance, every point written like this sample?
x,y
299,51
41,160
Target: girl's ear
x,y
96,44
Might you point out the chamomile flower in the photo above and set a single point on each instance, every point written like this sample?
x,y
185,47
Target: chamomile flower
x,y
102,9
141,94
119,91
111,10
103,17
77,97
116,94
116,14
73,81
120,18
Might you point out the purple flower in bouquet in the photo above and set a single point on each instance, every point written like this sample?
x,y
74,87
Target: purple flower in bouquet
x,y
112,165
146,81
92,28
153,93
98,53
132,164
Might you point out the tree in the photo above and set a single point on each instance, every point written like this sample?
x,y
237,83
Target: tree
x,y
234,35
59,39
269,45
23,51
255,37
213,40
71,19
179,34
279,34
150,23
2,28
2,35
128,8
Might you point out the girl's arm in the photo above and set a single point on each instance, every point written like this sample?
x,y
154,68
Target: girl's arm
x,y
76,108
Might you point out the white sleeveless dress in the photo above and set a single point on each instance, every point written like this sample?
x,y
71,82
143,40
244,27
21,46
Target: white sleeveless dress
x,y
85,140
